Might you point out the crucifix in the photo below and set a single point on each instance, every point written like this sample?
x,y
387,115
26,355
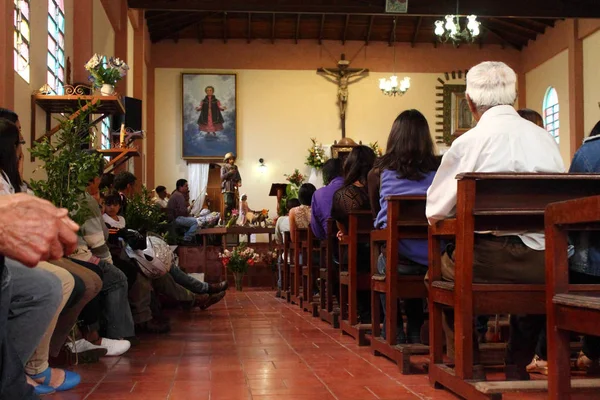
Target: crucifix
x,y
343,76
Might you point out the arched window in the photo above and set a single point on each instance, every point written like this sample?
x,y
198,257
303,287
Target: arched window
x,y
21,38
551,113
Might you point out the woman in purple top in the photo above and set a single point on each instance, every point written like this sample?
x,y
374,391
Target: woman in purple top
x,y
406,169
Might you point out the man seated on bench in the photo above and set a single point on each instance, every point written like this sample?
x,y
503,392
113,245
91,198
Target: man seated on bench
x,y
502,141
179,213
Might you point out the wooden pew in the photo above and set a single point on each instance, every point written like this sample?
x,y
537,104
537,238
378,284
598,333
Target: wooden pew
x,y
489,202
288,270
300,238
406,220
351,281
567,311
327,274
310,270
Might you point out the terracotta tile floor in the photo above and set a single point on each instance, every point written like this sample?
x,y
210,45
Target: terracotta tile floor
x,y
250,346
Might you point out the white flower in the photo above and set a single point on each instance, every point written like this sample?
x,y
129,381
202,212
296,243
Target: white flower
x,y
93,62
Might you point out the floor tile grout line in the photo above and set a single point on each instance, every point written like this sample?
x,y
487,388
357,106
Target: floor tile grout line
x,y
289,306
303,360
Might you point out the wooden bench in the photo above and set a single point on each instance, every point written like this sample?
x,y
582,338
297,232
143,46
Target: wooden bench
x,y
310,270
579,312
406,220
327,304
488,202
351,281
287,268
299,240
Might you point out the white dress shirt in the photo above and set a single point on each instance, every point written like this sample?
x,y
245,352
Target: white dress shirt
x,y
502,141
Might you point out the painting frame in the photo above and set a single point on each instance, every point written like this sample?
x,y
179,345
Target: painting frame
x,y
454,99
204,139
396,6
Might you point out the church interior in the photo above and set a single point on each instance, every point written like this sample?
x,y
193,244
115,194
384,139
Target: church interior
x,y
217,126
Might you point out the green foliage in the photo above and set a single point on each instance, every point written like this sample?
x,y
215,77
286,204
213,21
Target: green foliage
x,y
143,215
69,168
291,192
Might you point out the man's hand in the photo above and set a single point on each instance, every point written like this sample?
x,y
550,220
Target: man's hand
x,y
33,230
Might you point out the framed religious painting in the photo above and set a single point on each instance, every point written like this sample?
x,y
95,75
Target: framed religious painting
x,y
396,6
209,116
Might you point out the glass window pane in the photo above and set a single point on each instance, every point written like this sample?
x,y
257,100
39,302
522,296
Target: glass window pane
x,y
51,80
25,29
61,4
24,9
61,40
51,27
61,74
61,22
51,62
51,8
51,44
25,52
61,57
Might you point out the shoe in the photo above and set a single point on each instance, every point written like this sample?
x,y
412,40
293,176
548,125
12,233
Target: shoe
x,y
115,347
40,390
152,326
72,379
584,363
514,373
206,302
85,352
537,366
217,287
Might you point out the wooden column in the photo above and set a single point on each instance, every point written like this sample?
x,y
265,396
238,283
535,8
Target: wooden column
x,y
7,73
522,90
150,134
576,125
121,40
138,81
83,38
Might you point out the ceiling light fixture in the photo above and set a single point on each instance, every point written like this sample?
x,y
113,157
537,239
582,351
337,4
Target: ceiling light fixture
x,y
391,86
449,29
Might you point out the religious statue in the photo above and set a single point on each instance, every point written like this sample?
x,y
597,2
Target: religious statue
x,y
343,76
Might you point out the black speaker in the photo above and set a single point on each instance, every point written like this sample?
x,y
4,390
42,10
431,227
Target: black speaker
x,y
132,117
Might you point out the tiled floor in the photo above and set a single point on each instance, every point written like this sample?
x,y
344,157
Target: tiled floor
x,y
249,346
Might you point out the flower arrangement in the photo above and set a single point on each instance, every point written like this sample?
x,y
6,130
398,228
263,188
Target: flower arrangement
x,y
105,70
316,155
296,178
376,149
270,258
232,219
238,260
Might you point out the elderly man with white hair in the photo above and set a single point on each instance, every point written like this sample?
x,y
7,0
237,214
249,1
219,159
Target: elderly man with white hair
x,y
502,141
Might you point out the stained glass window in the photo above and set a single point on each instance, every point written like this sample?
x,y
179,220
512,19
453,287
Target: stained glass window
x,y
56,45
21,38
551,113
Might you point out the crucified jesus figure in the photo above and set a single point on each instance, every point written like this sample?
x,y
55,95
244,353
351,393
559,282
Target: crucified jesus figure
x,y
343,76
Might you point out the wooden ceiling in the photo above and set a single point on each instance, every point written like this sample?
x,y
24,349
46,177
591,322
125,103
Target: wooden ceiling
x,y
510,23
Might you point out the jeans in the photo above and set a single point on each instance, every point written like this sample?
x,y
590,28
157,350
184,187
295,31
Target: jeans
x,y
116,311
188,222
34,299
412,307
12,374
187,281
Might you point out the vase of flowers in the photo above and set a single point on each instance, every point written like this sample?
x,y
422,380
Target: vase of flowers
x,y
238,261
296,178
376,149
106,72
270,259
316,155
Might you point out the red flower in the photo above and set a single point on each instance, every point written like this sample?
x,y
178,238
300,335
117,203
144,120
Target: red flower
x,y
251,262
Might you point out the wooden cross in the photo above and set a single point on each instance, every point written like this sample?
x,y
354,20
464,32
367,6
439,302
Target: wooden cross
x,y
343,76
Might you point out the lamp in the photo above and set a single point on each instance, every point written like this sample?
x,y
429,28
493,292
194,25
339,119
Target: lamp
x,y
391,86
449,29
262,165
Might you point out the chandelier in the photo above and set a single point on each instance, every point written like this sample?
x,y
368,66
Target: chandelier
x,y
391,86
450,30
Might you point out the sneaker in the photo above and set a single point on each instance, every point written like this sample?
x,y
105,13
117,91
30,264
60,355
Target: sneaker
x,y
217,287
85,352
115,347
537,366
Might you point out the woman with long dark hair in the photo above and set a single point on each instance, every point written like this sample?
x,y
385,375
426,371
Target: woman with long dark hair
x,y
406,169
10,143
353,196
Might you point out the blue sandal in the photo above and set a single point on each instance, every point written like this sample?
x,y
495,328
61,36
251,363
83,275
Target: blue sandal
x,y
72,379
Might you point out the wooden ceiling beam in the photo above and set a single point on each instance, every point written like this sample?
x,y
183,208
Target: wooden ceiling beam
x,y
273,30
369,30
321,28
502,38
528,24
530,34
172,20
166,32
249,27
416,34
492,8
346,28
225,33
297,36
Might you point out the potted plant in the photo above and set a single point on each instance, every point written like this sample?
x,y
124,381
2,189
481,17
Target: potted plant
x,y
69,168
143,215
106,72
238,261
